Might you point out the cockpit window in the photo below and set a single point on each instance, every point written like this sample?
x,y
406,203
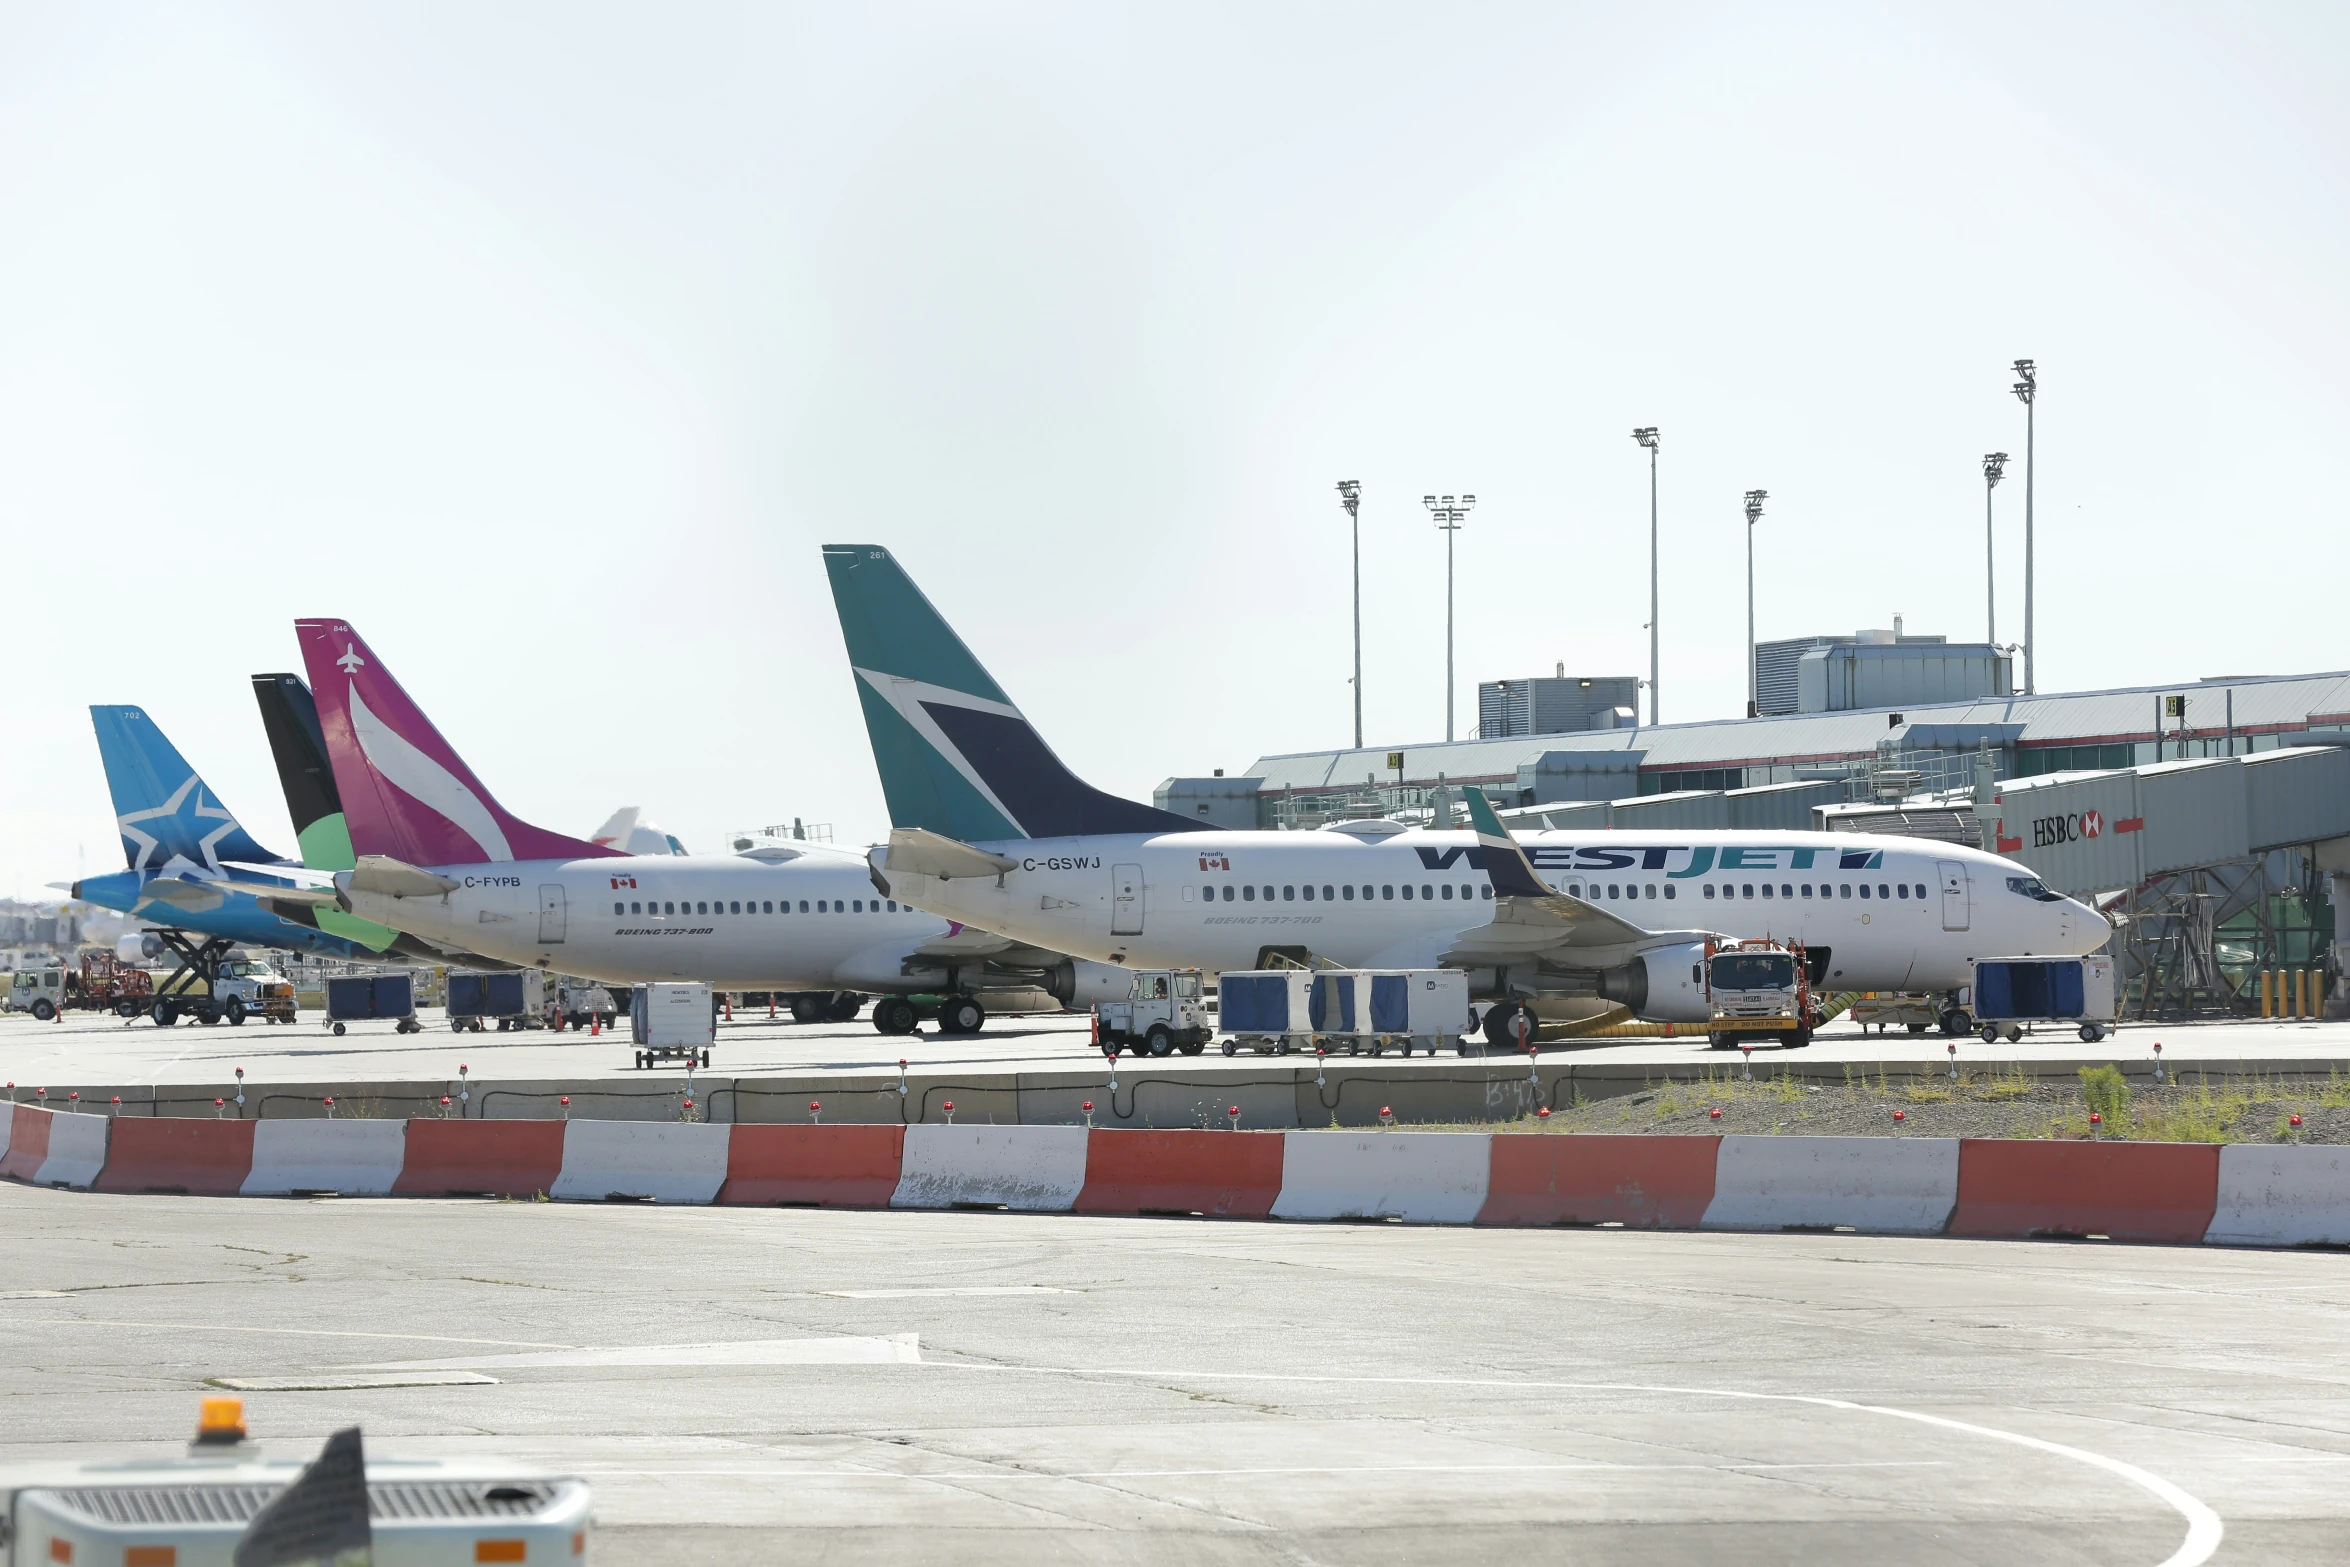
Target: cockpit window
x,y
2033,887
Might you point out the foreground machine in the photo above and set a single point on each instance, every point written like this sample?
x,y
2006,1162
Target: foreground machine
x,y
991,828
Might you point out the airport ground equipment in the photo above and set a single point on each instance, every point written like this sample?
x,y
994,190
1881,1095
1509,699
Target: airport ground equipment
x,y
1378,1010
582,1002
672,1022
1266,1010
1914,1011
233,988
2011,992
1163,1012
360,998
515,998
108,984
1759,988
826,1006
229,1499
40,991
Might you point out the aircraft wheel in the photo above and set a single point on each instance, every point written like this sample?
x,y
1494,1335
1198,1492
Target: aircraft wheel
x,y
962,1015
895,1015
805,1009
843,1008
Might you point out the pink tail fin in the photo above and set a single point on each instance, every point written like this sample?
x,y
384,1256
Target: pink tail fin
x,y
405,792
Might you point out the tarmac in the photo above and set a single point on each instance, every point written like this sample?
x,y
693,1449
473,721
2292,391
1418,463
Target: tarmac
x,y
1033,1070
759,1385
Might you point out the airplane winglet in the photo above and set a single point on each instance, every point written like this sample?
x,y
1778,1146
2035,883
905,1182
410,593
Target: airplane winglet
x,y
1506,865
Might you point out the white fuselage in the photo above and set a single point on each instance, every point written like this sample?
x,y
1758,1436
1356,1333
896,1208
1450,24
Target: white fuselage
x,y
1893,913
810,923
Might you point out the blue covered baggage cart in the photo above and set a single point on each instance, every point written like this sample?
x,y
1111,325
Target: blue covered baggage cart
x,y
2009,993
360,998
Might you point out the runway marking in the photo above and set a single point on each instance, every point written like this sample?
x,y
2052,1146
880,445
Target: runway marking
x,y
345,1382
923,1294
896,1350
1217,1474
2204,1529
234,1327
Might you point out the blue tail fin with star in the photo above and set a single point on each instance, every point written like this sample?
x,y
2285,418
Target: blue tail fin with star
x,y
163,810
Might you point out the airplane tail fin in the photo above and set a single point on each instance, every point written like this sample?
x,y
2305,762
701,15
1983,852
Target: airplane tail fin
x,y
1506,864
162,809
955,756
289,714
405,793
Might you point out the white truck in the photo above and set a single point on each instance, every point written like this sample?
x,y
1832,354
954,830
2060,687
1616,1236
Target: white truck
x,y
1164,1011
1759,989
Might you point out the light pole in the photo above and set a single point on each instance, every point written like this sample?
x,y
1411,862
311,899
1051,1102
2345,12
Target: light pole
x,y
1350,495
1754,504
1994,463
1448,512
2027,389
1646,436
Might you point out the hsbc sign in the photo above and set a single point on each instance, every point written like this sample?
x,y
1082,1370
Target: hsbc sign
x,y
2072,827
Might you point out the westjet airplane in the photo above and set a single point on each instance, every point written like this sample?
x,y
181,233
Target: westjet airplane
x,y
989,827
438,857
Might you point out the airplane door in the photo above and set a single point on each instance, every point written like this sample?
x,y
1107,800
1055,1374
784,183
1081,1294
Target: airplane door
x,y
1954,894
1125,900
551,914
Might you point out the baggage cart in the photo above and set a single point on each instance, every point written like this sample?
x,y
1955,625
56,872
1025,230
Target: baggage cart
x,y
513,997
1266,1010
361,998
1424,1007
673,1022
2009,993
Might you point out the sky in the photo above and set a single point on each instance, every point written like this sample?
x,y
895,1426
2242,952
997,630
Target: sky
x,y
547,344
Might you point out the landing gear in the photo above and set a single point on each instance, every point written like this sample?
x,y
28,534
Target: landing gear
x,y
807,1009
844,1007
1953,1024
961,1015
1501,1024
895,1015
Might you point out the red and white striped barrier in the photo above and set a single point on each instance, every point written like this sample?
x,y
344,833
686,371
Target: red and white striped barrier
x,y
657,1161
1419,1177
2239,1195
1030,1169
1884,1185
354,1158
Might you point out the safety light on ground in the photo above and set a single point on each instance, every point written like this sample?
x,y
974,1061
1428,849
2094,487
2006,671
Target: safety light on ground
x,y
1714,1114
444,1107
566,1107
2095,1121
74,1099
117,1110
901,1079
12,1093
815,1112
1232,1114
1954,1061
2294,1120
330,1107
41,1093
240,1088
949,1108
1543,1114
465,1094
2158,1077
1746,1062
220,1422
1901,1115
1386,1115
218,1105
1088,1108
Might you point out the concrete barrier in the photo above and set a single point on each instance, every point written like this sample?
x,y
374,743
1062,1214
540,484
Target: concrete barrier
x,y
204,1158
2124,1191
27,1145
1420,1177
1035,1169
821,1166
2290,1196
1889,1185
1638,1182
675,1161
1220,1175
355,1158
480,1159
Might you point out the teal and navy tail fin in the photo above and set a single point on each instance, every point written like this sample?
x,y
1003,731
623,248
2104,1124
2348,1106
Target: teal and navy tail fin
x,y
956,757
1506,865
289,714
162,809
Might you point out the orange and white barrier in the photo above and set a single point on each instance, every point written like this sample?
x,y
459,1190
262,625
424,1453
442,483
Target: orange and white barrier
x,y
658,1161
1419,1177
1031,1169
1882,1185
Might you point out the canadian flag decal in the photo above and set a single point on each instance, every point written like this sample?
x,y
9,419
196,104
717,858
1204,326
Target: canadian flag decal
x,y
1215,862
623,881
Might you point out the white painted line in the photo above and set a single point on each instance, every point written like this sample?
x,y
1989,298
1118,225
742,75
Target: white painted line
x,y
1594,1466
237,1327
32,1294
900,1349
338,1382
924,1294
2204,1529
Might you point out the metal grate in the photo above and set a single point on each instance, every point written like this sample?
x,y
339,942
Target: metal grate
x,y
144,1505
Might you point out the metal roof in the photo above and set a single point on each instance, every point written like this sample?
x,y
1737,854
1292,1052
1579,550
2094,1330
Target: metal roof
x,y
2262,704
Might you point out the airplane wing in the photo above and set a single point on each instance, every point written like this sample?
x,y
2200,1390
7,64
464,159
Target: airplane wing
x,y
1532,919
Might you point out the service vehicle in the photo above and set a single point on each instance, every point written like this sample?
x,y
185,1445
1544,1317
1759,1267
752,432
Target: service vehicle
x,y
108,984
239,988
1165,1010
580,1003
1759,988
1913,1010
40,991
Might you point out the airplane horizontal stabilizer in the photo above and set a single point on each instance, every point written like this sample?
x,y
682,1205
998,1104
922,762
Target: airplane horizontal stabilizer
x,y
916,851
390,878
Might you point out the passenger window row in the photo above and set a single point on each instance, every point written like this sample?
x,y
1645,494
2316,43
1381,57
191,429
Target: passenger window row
x,y
1428,892
1903,889
764,906
1600,890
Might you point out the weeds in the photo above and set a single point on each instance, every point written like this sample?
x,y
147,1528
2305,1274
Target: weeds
x,y
2107,1092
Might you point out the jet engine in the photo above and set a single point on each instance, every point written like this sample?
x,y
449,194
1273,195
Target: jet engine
x,y
1079,982
1661,985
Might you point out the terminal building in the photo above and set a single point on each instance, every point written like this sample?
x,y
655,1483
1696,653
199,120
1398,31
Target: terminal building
x,y
2222,859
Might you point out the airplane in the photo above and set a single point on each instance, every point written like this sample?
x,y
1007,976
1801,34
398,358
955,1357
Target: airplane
x,y
192,867
990,827
438,857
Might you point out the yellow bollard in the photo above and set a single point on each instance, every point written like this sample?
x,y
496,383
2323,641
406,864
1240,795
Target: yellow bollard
x,y
2265,999
2301,992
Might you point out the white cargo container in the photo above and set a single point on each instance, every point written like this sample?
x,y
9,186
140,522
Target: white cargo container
x,y
1423,1007
1266,1009
671,1020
